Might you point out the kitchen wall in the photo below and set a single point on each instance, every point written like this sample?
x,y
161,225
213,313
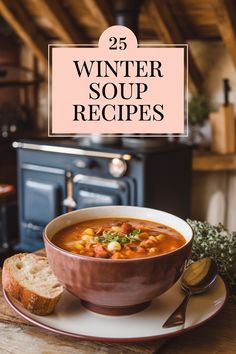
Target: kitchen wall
x,y
213,196
10,55
27,59
215,64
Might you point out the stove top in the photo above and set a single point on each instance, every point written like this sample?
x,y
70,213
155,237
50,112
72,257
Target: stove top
x,y
136,146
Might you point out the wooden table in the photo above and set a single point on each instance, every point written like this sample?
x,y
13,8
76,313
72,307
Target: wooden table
x,y
19,337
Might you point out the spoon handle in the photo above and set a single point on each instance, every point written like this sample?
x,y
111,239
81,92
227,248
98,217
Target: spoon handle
x,y
178,316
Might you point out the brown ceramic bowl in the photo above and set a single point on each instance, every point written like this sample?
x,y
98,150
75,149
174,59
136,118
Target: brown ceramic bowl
x,y
122,286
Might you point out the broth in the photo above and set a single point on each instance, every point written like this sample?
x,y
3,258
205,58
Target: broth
x,y
118,238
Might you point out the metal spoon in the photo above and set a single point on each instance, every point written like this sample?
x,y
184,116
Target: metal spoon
x,y
196,279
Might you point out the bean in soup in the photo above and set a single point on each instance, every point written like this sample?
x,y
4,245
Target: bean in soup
x,y
118,238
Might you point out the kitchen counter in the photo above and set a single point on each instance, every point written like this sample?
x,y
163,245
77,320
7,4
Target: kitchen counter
x,y
18,336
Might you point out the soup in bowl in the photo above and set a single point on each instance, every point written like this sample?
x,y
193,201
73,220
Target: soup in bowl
x,y
117,259
118,238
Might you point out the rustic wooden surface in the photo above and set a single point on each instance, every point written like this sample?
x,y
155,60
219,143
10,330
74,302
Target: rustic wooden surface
x,y
218,336
19,337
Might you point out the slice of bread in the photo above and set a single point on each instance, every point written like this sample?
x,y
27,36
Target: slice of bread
x,y
28,278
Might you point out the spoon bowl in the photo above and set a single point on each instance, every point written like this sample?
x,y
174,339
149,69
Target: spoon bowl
x,y
196,279
199,276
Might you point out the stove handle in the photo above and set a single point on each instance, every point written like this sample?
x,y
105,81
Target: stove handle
x,y
71,151
31,226
69,201
99,182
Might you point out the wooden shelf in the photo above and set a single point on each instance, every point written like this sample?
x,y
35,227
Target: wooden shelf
x,y
214,162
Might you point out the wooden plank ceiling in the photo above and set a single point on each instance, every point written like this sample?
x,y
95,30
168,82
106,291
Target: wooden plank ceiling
x,y
39,22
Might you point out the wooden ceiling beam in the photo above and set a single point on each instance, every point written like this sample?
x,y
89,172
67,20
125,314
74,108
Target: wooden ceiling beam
x,y
100,10
225,12
167,30
25,28
62,22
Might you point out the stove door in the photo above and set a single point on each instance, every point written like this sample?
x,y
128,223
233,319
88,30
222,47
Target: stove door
x,y
41,189
91,191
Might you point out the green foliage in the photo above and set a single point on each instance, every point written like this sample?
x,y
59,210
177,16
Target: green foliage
x,y
198,110
218,243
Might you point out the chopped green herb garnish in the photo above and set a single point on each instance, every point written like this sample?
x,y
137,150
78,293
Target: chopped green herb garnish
x,y
135,232
109,236
124,239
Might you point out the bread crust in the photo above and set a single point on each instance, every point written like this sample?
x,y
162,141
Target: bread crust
x,y
35,303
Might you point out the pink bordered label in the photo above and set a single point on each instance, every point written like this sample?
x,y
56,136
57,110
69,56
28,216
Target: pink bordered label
x,y
117,87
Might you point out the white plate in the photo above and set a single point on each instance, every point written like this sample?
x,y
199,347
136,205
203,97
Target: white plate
x,y
72,319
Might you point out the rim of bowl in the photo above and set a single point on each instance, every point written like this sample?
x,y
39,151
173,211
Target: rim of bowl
x,y
110,260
